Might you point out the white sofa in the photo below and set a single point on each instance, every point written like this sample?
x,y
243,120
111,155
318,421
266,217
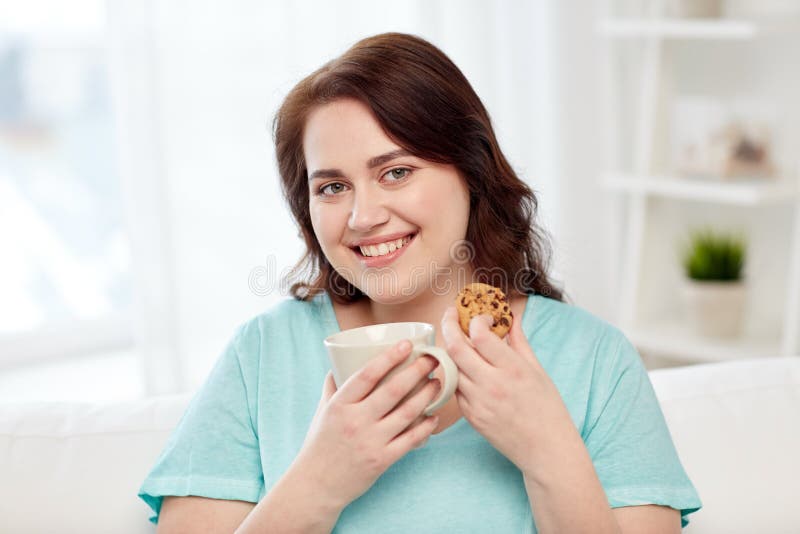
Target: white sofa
x,y
76,467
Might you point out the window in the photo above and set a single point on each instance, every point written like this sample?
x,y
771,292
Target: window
x,y
65,283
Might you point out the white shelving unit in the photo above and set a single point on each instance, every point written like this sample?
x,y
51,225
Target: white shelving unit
x,y
740,193
678,28
651,199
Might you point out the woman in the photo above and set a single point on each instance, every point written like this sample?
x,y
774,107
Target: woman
x,y
554,429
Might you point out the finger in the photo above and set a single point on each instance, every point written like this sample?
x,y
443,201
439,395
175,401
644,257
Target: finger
x,y
412,438
451,328
518,341
463,402
328,388
411,411
458,347
490,347
363,381
401,386
466,386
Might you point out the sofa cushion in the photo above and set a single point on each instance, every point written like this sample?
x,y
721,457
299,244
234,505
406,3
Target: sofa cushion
x,y
69,467
736,426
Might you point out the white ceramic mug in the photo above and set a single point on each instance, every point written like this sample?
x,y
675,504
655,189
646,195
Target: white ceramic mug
x,y
350,350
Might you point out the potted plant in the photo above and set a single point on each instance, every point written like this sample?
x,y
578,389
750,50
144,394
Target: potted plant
x,y
715,290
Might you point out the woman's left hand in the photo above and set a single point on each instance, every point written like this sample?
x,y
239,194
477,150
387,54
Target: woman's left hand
x,y
505,393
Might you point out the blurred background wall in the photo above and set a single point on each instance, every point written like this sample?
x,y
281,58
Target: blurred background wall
x,y
142,219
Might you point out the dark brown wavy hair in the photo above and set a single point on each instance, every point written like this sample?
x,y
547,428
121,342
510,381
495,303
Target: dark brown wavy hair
x,y
425,105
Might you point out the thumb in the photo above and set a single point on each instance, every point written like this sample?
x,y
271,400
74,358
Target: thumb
x,y
328,388
483,321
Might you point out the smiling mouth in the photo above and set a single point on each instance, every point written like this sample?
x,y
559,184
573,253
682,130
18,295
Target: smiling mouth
x,y
384,249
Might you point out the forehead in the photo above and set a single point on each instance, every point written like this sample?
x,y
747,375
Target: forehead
x,y
343,131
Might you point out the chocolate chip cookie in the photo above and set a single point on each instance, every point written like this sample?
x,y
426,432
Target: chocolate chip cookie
x,y
476,299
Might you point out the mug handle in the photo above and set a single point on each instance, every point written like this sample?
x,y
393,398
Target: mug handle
x,y
450,374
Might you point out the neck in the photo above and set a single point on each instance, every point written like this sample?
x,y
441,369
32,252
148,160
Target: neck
x,y
427,306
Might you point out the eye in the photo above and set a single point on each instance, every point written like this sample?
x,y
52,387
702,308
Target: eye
x,y
330,189
398,174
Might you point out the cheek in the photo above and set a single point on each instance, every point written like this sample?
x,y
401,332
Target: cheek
x,y
314,213
315,222
426,207
328,222
321,229
462,194
454,226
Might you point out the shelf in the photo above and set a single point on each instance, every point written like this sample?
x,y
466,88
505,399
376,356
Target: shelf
x,y
676,341
735,192
643,83
712,29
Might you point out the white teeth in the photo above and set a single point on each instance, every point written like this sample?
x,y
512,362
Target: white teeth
x,y
384,248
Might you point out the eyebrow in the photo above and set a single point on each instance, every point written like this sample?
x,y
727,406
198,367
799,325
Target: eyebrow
x,y
377,161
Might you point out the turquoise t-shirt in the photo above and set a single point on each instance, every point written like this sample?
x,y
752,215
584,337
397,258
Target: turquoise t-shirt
x,y
246,424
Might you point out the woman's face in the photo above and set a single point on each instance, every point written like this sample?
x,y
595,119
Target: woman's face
x,y
365,190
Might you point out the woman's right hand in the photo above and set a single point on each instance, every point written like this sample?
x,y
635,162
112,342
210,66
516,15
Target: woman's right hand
x,y
360,430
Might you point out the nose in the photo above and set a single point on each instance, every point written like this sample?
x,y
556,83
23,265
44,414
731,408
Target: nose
x,y
368,210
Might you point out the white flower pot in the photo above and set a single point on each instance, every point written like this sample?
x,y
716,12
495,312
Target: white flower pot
x,y
715,309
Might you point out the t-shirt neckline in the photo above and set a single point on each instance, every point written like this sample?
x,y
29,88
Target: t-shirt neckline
x,y
333,327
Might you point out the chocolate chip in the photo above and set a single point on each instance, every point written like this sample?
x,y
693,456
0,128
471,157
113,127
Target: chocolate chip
x,y
495,305
463,301
490,291
479,295
503,321
505,308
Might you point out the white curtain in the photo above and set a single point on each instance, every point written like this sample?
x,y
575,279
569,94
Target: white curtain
x,y
197,84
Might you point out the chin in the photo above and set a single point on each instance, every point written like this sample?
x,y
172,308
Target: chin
x,y
396,292
382,296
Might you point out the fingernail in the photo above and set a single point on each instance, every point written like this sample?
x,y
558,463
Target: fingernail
x,y
404,346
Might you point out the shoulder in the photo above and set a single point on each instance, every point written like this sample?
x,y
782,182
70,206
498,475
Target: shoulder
x,y
285,317
571,333
566,320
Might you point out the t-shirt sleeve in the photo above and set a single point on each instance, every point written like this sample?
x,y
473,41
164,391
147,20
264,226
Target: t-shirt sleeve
x,y
629,441
214,451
